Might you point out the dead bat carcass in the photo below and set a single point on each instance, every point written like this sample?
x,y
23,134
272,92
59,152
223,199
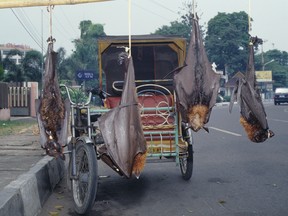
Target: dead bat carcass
x,y
196,83
253,115
52,112
125,145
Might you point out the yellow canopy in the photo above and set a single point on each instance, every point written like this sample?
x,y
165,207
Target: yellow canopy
x,y
31,3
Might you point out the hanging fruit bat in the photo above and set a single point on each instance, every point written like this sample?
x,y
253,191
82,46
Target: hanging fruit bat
x,y
196,83
121,128
252,112
51,111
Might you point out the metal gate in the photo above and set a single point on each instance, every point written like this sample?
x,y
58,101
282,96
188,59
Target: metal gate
x,y
19,101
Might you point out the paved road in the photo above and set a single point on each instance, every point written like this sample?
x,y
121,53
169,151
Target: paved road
x,y
231,177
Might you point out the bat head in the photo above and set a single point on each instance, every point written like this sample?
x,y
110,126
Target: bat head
x,y
262,135
255,132
139,163
197,116
54,149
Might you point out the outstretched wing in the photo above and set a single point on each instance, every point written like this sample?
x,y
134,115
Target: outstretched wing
x,y
196,84
122,130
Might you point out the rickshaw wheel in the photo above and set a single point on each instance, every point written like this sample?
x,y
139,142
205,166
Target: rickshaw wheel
x,y
84,186
186,164
186,160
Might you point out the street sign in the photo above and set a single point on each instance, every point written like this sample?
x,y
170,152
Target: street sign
x,y
85,74
264,76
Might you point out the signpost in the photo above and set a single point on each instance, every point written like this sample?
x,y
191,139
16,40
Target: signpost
x,y
85,74
265,80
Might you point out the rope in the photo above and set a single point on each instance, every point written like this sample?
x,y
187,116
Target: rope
x,y
129,27
49,9
249,17
193,7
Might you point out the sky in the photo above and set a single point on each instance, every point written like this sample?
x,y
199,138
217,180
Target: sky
x,y
269,20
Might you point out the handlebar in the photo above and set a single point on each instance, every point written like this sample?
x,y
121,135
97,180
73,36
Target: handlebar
x,y
69,97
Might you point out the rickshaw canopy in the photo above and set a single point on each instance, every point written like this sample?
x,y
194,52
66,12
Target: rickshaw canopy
x,y
154,57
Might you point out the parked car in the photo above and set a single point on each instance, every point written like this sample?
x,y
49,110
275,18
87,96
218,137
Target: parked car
x,y
281,95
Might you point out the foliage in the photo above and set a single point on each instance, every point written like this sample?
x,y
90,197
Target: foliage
x,y
32,66
77,95
226,41
1,73
175,28
179,28
279,66
29,70
15,72
85,55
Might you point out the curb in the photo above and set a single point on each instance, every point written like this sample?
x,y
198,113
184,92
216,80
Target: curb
x,y
27,194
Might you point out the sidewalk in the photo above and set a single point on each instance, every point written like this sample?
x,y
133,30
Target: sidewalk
x,y
27,178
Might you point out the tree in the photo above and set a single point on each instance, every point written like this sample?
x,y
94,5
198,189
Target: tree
x,y
14,71
86,53
65,67
279,66
1,69
175,28
86,46
179,28
32,66
226,41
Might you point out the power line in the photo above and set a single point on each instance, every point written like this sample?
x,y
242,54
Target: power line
x,y
25,28
152,12
163,6
30,24
68,20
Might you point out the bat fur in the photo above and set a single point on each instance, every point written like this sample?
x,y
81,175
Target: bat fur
x,y
196,83
252,112
52,109
139,164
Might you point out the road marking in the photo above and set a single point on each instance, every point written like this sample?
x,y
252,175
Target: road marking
x,y
225,131
279,120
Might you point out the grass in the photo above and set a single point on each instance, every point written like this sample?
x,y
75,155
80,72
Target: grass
x,y
14,127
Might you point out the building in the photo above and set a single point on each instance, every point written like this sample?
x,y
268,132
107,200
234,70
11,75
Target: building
x,y
6,48
231,83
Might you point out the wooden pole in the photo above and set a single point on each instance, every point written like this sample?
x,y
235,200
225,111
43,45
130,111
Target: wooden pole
x,y
33,3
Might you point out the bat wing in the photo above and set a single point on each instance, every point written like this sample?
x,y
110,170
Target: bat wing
x,y
253,115
196,83
251,104
43,138
52,114
121,128
63,132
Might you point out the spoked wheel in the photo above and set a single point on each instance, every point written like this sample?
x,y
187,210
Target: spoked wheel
x,y
84,185
186,160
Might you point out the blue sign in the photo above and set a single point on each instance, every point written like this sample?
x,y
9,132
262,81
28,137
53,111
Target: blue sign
x,y
85,74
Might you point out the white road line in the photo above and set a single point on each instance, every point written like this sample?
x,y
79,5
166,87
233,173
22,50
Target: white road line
x,y
279,120
225,131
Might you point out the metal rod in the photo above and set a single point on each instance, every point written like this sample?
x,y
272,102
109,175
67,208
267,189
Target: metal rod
x,y
33,3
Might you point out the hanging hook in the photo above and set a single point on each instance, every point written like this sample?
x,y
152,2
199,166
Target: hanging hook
x,y
49,9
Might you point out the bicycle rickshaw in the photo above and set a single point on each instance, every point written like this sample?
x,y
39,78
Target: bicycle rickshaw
x,y
167,139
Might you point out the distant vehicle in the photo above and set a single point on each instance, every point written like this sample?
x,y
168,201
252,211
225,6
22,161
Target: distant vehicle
x,y
281,96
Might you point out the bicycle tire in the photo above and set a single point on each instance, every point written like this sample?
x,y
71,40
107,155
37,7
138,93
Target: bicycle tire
x,y
84,186
186,160
186,164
